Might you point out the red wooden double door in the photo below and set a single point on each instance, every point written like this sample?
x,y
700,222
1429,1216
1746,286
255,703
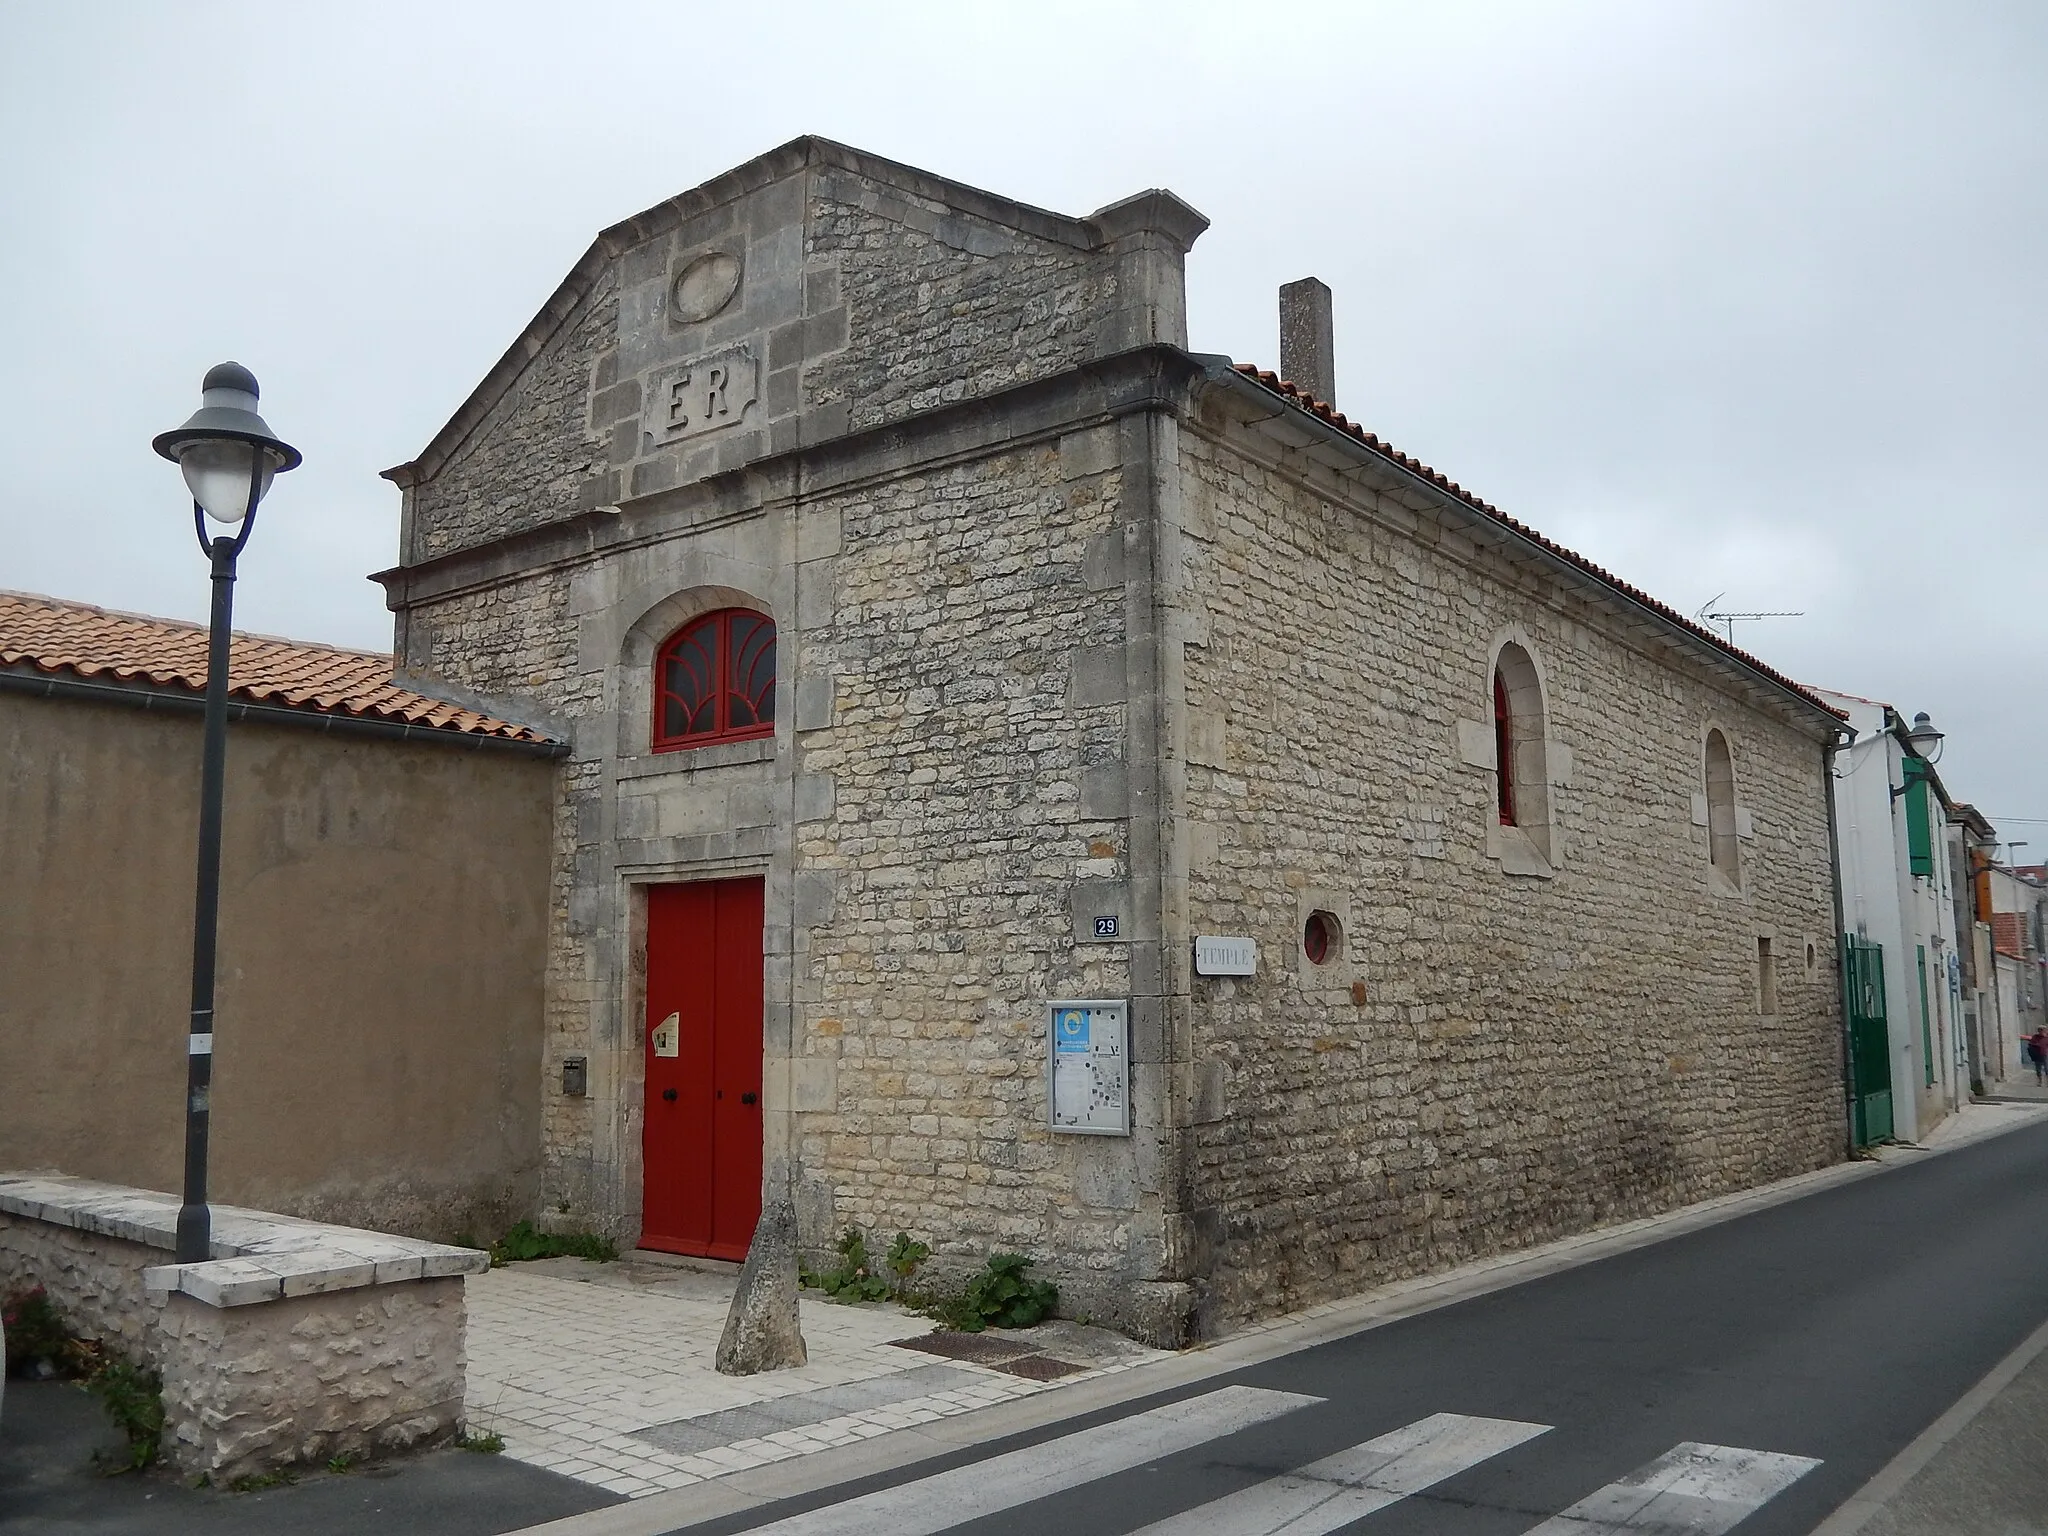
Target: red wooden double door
x,y
701,1144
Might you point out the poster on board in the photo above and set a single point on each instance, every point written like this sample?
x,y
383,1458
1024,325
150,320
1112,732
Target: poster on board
x,y
1088,1066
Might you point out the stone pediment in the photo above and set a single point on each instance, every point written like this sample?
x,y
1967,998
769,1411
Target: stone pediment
x,y
813,291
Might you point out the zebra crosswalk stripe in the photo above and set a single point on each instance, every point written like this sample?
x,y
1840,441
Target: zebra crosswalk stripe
x,y
947,1499
1328,1494
1691,1490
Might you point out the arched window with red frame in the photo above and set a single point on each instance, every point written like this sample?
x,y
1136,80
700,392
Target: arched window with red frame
x,y
714,680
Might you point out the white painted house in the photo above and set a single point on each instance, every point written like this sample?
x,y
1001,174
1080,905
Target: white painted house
x,y
1902,966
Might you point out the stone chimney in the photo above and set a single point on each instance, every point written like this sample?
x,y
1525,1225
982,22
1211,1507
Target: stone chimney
x,y
1308,353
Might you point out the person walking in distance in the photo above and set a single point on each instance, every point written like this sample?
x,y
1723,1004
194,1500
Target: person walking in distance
x,y
2037,1054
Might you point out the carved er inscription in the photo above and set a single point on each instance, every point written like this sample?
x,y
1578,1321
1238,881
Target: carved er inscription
x,y
702,395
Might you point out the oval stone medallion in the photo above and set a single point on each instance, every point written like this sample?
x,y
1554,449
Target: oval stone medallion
x,y
704,287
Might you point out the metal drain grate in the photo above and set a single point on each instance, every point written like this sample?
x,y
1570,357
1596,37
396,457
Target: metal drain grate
x,y
975,1348
1039,1368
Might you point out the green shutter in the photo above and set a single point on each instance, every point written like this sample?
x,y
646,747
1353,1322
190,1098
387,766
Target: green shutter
x,y
1926,1028
1919,834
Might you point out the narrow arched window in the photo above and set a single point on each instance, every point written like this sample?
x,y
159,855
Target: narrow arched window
x,y
1503,750
1521,750
714,680
1722,847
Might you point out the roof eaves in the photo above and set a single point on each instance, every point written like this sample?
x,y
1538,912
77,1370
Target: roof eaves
x,y
246,704
1442,484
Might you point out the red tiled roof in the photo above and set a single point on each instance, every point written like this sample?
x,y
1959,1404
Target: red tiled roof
x,y
79,640
1296,395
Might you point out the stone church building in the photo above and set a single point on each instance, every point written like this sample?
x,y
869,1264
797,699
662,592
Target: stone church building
x,y
939,639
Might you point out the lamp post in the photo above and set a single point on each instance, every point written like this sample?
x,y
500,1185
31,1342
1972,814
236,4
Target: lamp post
x,y
228,455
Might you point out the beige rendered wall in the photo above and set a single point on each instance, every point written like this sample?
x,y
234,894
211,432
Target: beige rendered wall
x,y
1527,1055
381,949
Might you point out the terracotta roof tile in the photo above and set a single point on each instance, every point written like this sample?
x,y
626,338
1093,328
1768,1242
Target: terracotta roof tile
x,y
79,640
1329,414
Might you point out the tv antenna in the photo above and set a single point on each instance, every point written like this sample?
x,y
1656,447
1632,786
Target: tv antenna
x,y
1709,614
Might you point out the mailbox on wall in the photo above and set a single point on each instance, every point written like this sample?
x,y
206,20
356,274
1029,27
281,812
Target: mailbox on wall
x,y
1088,1067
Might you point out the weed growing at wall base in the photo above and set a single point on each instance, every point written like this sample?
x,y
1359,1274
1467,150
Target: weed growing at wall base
x,y
524,1242
134,1400
856,1277
40,1342
999,1297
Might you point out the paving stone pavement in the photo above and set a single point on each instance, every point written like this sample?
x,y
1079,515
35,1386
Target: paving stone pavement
x,y
602,1372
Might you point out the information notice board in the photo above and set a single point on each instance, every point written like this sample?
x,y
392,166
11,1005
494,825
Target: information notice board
x,y
1088,1070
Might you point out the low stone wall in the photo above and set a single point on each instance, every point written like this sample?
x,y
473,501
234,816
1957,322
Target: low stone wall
x,y
96,1285
367,1372
296,1342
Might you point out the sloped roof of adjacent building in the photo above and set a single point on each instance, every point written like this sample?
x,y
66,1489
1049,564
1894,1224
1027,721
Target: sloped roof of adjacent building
x,y
50,636
1331,416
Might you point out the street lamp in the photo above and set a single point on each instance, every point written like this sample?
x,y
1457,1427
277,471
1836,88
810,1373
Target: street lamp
x,y
1925,738
229,455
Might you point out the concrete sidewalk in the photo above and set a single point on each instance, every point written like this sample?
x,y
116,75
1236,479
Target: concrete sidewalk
x,y
2017,1087
1979,1470
602,1372
791,1471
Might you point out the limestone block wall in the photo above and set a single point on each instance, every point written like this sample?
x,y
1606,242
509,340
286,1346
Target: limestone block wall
x,y
1490,1058
946,305
949,712
973,707
540,436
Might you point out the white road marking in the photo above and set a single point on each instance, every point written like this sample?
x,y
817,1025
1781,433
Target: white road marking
x,y
1327,1494
947,1499
1691,1490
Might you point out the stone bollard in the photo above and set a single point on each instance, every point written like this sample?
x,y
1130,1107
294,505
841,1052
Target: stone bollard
x,y
762,1331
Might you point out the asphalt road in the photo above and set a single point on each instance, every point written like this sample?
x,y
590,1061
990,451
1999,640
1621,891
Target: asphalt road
x,y
51,1431
1833,1329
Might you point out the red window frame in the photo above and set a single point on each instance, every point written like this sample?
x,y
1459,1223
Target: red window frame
x,y
716,670
1503,751
1315,938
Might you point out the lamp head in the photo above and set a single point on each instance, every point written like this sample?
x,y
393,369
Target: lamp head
x,y
1925,738
227,452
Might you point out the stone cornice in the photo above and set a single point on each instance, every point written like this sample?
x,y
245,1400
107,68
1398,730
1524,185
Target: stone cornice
x,y
1148,378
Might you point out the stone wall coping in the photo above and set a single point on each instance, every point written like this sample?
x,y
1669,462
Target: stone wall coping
x,y
256,1255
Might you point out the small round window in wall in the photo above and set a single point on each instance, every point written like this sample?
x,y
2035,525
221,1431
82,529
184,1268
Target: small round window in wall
x,y
1319,938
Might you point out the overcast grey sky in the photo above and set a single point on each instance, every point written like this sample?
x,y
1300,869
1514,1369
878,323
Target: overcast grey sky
x,y
1731,297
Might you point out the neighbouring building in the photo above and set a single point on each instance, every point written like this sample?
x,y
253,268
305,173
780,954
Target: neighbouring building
x,y
1042,788
2018,904
1971,843
382,925
1909,1062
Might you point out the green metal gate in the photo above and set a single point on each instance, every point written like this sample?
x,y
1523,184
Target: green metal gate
x,y
1870,1051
